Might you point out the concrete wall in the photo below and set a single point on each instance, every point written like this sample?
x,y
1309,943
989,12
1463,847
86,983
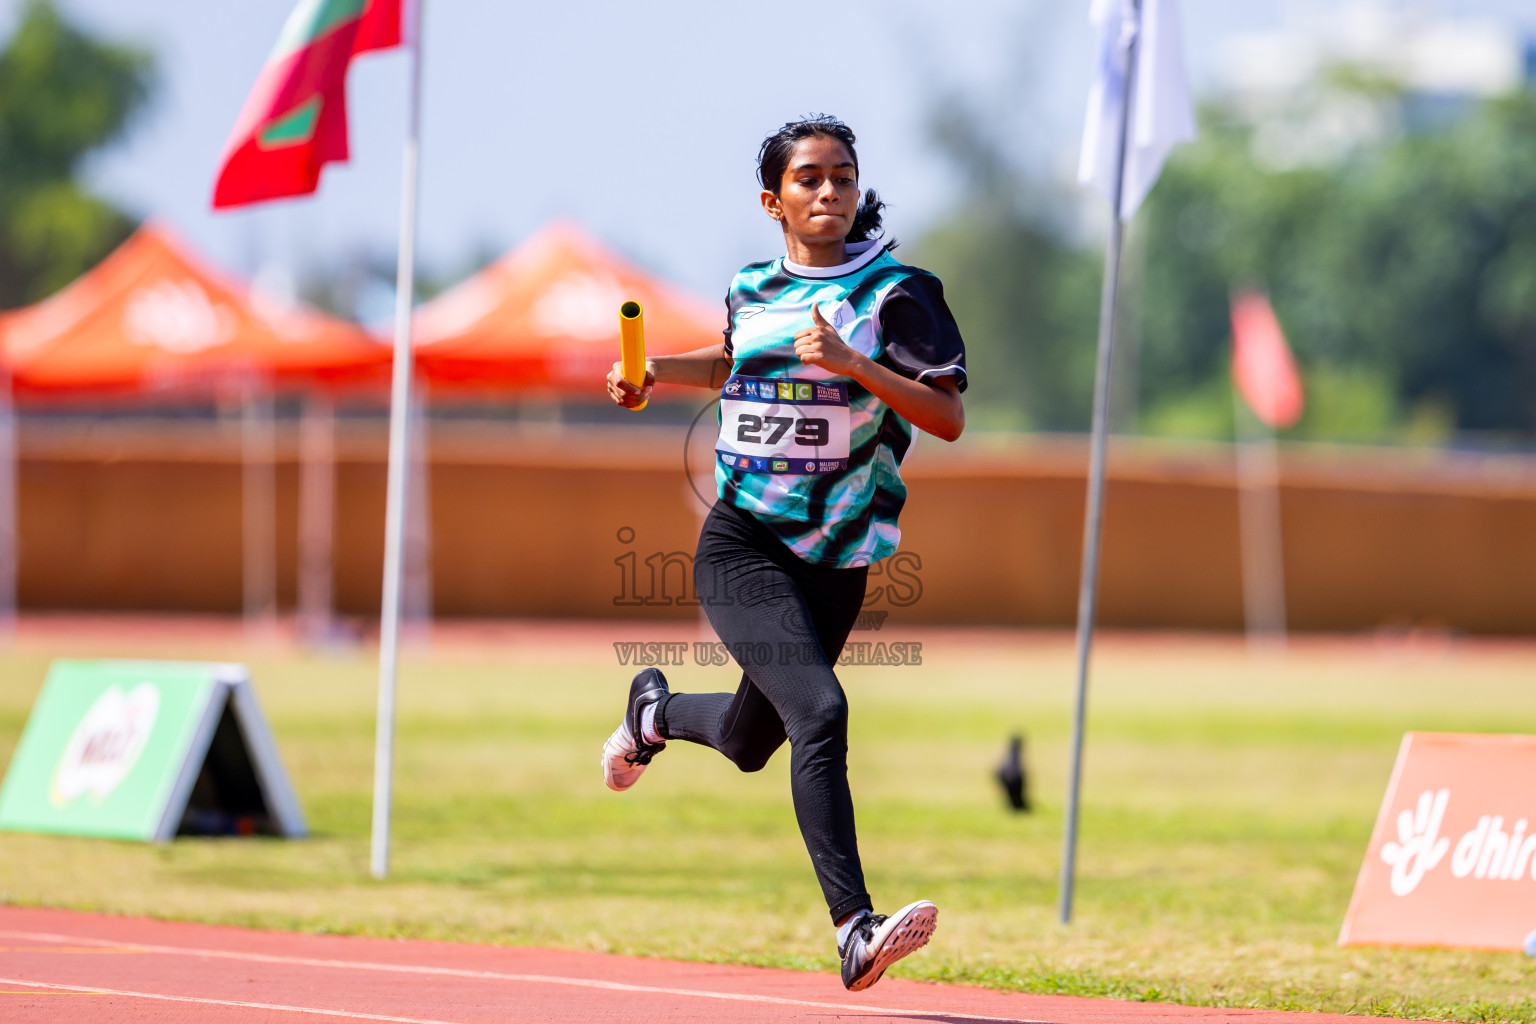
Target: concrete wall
x,y
547,522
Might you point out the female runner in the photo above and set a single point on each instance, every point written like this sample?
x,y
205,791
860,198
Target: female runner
x,y
832,353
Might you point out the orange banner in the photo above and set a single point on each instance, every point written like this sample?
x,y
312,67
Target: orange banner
x,y
1450,861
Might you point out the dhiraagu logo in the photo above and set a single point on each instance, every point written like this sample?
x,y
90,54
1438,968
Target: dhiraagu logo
x,y
106,744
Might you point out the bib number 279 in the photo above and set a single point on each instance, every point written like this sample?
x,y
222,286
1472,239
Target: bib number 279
x,y
809,431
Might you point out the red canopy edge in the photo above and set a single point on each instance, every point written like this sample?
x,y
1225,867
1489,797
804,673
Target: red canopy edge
x,y
546,317
153,318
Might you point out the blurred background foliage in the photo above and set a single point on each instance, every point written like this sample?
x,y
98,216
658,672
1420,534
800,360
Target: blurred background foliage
x,y
63,95
1402,265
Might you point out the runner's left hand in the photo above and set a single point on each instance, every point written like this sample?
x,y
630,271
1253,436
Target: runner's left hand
x,y
820,345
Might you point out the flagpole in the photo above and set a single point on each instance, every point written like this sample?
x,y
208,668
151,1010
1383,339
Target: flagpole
x,y
1263,562
399,431
317,517
1087,595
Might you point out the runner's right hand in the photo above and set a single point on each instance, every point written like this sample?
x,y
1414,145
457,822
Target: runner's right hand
x,y
626,394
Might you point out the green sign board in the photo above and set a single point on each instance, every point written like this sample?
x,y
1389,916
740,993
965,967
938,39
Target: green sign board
x,y
144,750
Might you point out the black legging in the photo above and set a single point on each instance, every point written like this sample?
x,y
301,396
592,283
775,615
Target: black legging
x,y
785,621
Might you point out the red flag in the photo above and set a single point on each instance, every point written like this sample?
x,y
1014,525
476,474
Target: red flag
x,y
295,119
1263,369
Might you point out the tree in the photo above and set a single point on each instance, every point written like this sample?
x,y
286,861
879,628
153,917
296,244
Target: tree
x,y
1404,273
1026,304
1025,297
63,94
1399,252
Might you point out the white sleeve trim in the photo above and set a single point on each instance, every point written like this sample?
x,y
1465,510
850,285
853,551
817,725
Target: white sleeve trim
x,y
953,370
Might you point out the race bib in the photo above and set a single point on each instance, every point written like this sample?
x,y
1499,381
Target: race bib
x,y
783,425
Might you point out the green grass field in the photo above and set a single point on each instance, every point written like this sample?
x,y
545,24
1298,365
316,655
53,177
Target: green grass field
x,y
1228,805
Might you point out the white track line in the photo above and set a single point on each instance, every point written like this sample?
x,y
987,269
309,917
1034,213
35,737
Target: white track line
x,y
98,991
459,972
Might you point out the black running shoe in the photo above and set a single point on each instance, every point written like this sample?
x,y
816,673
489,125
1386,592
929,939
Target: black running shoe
x,y
878,941
626,753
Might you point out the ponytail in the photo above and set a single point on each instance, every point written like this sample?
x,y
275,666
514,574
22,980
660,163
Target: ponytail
x,y
866,221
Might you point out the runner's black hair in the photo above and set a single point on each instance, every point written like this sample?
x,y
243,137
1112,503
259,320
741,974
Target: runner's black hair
x,y
773,158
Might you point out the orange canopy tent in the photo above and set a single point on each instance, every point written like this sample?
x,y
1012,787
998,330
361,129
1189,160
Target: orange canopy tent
x,y
546,316
151,317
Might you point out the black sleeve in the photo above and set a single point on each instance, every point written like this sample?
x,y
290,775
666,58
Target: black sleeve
x,y
920,336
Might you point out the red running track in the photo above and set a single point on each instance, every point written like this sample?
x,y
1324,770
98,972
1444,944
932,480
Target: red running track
x,y
58,966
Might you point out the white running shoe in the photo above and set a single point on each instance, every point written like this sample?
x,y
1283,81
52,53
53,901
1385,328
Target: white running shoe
x,y
626,753
877,941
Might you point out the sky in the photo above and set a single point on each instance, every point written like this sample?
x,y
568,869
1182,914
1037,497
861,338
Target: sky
x,y
640,122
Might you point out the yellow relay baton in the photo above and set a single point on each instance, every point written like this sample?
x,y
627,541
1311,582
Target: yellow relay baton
x,y
632,344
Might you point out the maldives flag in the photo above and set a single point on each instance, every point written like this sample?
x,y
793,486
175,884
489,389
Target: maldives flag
x,y
295,119
1263,369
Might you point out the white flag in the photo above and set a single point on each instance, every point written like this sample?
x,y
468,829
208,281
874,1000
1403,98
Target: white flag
x,y
1162,115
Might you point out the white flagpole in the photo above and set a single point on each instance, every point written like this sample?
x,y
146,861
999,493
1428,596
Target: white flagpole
x,y
317,516
399,460
258,496
1087,595
1263,562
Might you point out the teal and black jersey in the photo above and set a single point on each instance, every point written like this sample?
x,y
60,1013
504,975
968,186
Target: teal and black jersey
x,y
842,509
